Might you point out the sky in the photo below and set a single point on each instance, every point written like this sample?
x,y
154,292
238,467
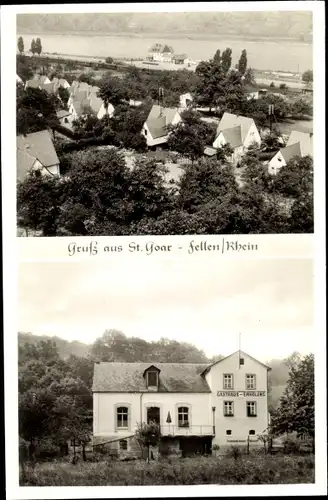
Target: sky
x,y
269,302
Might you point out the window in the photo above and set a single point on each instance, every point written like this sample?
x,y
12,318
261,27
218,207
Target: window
x,y
66,120
152,379
228,408
251,408
145,131
228,432
183,416
252,432
250,381
122,417
123,444
279,159
241,361
227,381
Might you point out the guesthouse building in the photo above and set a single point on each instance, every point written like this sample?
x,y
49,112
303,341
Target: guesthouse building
x,y
195,405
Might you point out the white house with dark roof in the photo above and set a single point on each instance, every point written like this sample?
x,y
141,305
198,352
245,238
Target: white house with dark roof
x,y
36,152
155,128
161,52
195,405
240,132
299,145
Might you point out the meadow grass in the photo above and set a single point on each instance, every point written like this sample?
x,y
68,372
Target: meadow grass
x,y
194,470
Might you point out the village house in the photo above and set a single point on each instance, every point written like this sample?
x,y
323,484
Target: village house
x,y
180,59
37,81
240,132
161,52
185,100
251,92
299,145
155,128
36,152
195,405
84,100
64,117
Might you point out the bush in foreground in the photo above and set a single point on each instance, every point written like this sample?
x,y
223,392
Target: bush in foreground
x,y
189,471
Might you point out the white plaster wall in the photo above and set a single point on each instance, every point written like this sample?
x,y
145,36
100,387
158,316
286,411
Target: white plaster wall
x,y
239,424
219,141
105,404
252,136
276,163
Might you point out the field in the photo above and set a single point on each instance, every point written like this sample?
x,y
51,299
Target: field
x,y
257,469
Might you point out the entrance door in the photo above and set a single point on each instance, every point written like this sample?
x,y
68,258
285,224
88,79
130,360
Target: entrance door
x,y
153,415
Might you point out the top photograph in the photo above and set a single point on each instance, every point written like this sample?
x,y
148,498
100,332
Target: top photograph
x,y
169,123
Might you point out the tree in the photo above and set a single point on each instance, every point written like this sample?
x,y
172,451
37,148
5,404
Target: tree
x,y
296,178
63,95
205,181
20,45
37,201
33,47
23,68
109,60
112,91
242,63
295,412
301,107
148,435
226,60
217,57
307,77
38,46
190,136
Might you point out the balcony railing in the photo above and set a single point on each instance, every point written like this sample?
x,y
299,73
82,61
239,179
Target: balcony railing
x,y
192,430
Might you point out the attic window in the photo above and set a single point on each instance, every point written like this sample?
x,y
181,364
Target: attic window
x,y
152,379
241,361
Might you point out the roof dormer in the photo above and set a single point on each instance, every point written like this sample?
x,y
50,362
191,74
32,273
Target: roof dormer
x,y
151,375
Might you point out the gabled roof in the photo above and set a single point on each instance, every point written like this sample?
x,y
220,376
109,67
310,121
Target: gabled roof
x,y
40,146
128,377
95,103
305,139
158,120
33,84
25,163
233,136
48,87
229,121
161,48
151,368
180,57
290,151
62,113
242,353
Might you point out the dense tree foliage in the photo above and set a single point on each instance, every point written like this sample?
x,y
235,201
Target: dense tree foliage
x,y
307,76
20,45
295,412
36,110
55,398
242,63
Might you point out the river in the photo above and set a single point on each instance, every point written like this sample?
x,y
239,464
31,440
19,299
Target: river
x,y
263,54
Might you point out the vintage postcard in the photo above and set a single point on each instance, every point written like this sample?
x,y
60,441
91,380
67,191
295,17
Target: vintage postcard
x,y
164,238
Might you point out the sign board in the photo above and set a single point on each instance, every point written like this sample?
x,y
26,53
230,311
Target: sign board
x,y
235,394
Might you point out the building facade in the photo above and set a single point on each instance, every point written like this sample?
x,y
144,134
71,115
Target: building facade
x,y
195,405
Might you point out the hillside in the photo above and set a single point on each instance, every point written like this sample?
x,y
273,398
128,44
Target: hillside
x,y
255,24
115,346
65,348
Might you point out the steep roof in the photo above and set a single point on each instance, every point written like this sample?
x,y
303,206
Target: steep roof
x,y
242,353
229,121
25,163
40,146
128,377
180,57
61,113
233,136
95,102
305,139
161,48
289,151
33,84
158,120
48,87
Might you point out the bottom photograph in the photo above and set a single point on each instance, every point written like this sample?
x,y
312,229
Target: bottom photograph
x,y
166,372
